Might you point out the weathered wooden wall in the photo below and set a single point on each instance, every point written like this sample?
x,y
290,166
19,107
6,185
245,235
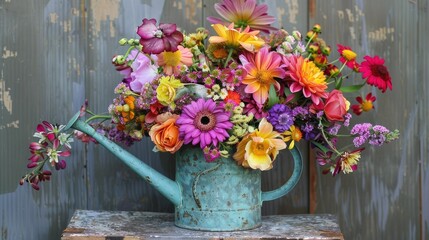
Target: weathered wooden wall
x,y
56,53
387,198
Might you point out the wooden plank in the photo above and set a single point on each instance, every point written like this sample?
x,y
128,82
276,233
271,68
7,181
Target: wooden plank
x,y
423,76
87,224
41,78
380,200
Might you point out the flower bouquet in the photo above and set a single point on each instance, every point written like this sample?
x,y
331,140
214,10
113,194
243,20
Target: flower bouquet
x,y
247,92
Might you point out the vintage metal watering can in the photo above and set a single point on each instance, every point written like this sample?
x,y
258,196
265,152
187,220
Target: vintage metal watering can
x,y
216,196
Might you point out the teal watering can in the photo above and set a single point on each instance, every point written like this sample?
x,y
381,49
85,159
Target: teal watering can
x,y
210,196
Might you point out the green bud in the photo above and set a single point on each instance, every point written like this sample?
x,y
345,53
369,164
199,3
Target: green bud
x,y
123,41
317,28
130,41
120,59
326,51
224,153
250,128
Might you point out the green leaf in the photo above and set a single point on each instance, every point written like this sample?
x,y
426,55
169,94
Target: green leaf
x,y
352,88
272,97
320,146
338,83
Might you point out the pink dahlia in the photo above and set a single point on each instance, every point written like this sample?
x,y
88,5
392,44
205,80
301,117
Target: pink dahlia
x,y
204,122
244,13
376,73
157,39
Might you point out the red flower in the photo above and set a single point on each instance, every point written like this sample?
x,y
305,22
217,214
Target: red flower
x,y
364,105
376,73
158,39
348,57
233,97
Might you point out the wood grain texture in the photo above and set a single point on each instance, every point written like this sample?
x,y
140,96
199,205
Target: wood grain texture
x,y
87,224
381,200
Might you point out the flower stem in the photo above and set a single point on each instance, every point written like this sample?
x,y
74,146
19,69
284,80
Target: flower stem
x,y
326,139
228,58
97,117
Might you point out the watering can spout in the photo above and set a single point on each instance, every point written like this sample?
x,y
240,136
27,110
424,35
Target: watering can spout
x,y
167,187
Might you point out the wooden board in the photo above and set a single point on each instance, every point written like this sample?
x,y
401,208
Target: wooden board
x,y
86,224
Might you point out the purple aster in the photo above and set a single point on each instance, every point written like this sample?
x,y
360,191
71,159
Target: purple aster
x,y
204,122
158,39
280,116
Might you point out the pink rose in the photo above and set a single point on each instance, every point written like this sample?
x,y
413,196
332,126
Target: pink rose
x,y
335,106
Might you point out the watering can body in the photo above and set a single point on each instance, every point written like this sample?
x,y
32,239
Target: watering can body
x,y
211,196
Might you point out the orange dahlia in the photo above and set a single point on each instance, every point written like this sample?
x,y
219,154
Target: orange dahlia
x,y
306,77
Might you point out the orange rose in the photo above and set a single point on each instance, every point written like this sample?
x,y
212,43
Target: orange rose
x,y
336,106
165,133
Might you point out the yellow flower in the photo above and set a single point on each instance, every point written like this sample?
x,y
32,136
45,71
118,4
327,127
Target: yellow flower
x,y
349,160
166,91
259,149
293,135
234,38
349,55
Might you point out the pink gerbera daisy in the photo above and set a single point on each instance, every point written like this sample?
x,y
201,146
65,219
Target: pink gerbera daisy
x,y
376,73
244,13
204,122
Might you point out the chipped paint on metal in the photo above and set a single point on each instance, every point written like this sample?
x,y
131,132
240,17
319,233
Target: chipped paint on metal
x,y
291,11
53,17
104,10
191,10
8,53
66,26
14,124
5,98
74,63
382,34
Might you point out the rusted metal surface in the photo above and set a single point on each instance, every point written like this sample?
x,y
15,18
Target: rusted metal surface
x,y
86,224
383,200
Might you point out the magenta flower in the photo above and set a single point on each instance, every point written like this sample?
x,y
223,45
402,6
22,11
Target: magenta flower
x,y
204,122
158,39
53,144
376,73
244,13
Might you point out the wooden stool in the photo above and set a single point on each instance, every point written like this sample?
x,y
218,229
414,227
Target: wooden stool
x,y
88,224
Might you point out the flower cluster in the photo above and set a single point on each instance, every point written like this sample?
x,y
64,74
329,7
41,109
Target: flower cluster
x,y
52,146
248,92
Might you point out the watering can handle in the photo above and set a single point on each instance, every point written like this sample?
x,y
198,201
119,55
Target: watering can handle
x,y
293,180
